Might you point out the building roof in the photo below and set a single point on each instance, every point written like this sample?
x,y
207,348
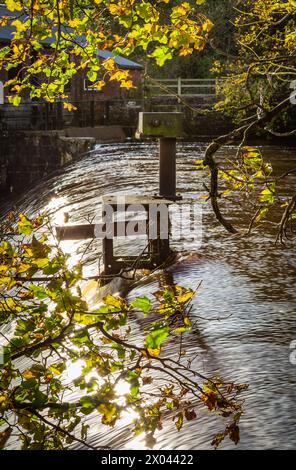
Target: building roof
x,y
6,36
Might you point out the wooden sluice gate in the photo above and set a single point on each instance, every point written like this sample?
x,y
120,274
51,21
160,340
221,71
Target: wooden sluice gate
x,y
154,223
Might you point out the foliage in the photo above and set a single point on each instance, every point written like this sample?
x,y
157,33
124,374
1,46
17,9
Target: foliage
x,y
55,39
255,89
252,178
47,326
200,65
264,64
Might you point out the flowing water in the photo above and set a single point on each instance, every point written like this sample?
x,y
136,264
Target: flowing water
x,y
245,309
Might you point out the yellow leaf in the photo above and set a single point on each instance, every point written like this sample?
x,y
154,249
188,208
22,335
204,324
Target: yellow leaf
x,y
154,352
99,85
38,62
187,321
23,267
127,84
114,9
41,262
119,75
19,25
4,20
182,9
207,26
38,336
75,22
183,298
185,51
27,374
13,5
3,398
112,301
69,106
54,370
109,64
109,412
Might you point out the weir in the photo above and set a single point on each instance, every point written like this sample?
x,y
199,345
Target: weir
x,y
154,223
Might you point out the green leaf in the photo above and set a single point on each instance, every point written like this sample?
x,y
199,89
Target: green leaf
x,y
179,421
25,225
133,379
262,213
15,100
92,75
81,337
156,337
161,55
142,303
39,291
40,398
5,355
266,196
88,405
120,350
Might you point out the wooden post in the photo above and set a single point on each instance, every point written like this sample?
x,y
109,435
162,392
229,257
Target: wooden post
x,y
179,88
167,167
108,255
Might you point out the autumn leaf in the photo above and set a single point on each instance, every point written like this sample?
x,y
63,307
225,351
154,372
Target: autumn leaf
x,y
69,106
13,5
179,419
109,413
109,64
154,352
185,297
127,84
28,374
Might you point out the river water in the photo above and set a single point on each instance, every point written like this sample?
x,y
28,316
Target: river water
x,y
245,309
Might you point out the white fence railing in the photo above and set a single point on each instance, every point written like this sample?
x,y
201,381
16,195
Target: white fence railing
x,y
190,87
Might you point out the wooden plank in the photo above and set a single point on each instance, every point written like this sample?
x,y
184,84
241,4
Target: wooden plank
x,y
75,232
181,87
117,229
134,200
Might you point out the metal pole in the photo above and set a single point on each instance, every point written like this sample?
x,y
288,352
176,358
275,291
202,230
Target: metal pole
x,y
167,167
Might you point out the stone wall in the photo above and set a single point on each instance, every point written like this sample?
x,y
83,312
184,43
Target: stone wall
x,y
26,157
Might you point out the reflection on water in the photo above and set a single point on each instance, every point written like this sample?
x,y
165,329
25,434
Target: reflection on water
x,y
244,311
